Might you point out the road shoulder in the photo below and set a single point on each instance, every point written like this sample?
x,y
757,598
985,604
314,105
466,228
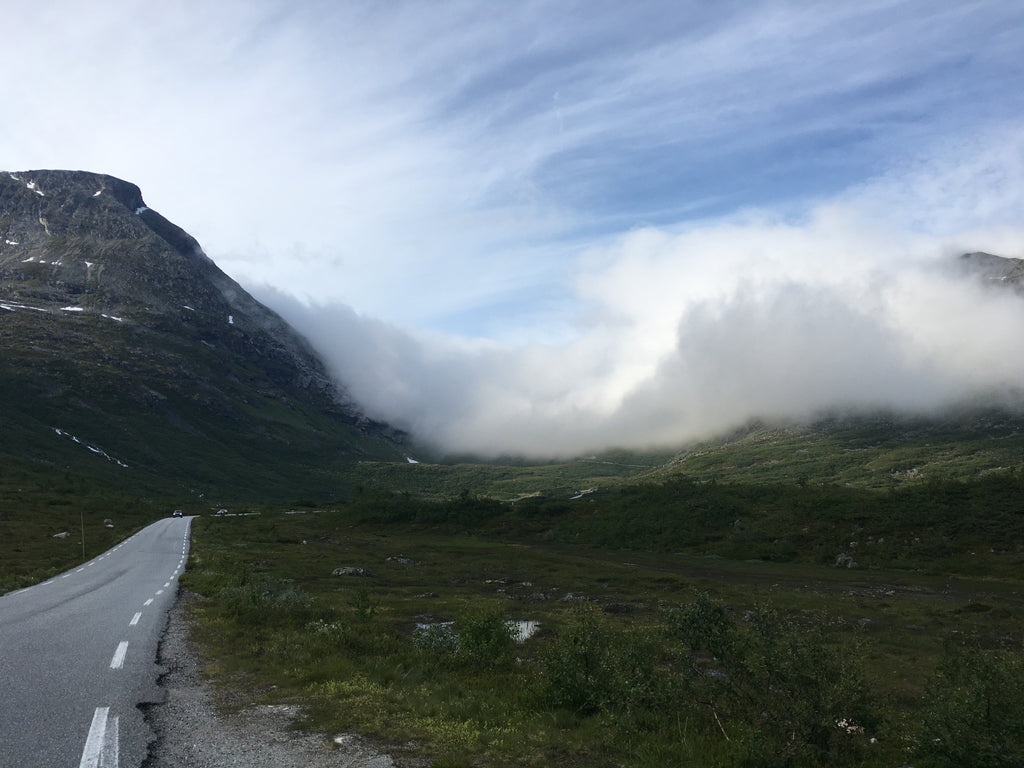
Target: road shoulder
x,y
193,733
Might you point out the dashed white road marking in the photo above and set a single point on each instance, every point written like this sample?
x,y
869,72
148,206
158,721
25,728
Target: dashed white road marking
x,y
159,591
167,584
148,602
135,619
101,745
118,661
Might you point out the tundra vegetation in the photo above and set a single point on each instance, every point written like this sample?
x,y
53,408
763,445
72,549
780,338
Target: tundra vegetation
x,y
679,624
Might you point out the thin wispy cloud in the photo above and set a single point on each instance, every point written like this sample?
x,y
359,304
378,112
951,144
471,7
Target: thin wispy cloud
x,y
566,224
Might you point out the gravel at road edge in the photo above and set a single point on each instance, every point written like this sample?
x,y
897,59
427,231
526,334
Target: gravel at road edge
x,y
192,733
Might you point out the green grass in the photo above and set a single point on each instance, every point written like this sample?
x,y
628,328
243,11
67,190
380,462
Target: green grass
x,y
879,452
504,481
36,506
603,682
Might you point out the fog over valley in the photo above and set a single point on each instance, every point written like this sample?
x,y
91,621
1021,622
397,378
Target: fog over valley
x,y
852,306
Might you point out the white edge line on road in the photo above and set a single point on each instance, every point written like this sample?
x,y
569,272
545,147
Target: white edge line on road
x,y
135,619
101,745
118,661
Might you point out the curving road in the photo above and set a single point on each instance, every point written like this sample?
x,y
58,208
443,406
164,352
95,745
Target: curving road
x,y
78,655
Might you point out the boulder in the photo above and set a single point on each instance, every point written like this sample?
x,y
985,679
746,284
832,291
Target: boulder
x,y
349,570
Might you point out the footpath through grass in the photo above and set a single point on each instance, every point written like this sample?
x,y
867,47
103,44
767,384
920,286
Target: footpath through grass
x,y
516,650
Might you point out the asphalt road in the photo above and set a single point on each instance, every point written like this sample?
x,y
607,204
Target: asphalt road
x,y
78,655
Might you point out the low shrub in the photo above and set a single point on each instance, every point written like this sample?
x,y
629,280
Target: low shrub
x,y
974,711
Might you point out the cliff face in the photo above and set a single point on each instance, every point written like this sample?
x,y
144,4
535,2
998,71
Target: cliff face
x,y
95,284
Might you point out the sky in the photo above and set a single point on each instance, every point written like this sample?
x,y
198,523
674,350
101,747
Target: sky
x,y
555,227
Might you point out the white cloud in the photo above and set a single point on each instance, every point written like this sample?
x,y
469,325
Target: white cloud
x,y
854,305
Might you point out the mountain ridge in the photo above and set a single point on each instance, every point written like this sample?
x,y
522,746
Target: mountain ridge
x,y
101,295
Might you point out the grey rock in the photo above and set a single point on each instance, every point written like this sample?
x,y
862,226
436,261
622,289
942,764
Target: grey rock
x,y
349,570
843,560
402,560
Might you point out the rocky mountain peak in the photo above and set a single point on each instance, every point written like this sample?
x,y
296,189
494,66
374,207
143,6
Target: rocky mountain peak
x,y
98,284
93,236
995,269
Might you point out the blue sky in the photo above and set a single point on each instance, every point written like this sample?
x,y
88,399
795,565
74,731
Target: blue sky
x,y
516,187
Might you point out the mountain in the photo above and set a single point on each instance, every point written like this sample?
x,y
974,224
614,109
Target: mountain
x,y
995,269
124,350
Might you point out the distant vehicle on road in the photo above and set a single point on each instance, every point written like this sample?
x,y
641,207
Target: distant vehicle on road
x,y
222,511
177,513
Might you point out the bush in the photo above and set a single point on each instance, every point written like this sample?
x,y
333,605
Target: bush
x,y
974,711
780,681
436,639
579,666
259,599
485,637
480,636
590,669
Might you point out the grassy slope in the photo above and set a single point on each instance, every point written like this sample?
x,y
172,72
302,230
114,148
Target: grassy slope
x,y
866,452
183,417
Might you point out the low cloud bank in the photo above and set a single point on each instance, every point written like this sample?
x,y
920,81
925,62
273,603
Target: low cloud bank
x,y
689,361
860,303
